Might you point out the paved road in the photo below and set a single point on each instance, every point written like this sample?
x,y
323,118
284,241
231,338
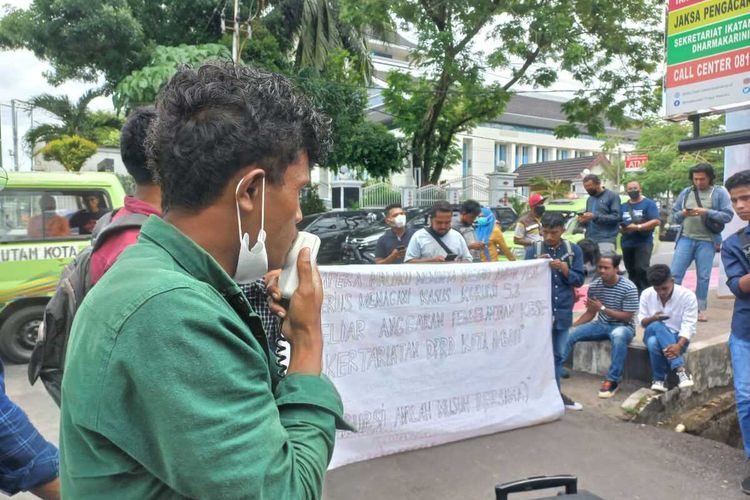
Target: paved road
x,y
611,458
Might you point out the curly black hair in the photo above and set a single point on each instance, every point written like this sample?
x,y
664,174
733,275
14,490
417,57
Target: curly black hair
x,y
222,117
133,144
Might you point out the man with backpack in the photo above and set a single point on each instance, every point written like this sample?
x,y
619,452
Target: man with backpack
x,y
735,254
566,262
113,232
702,210
147,199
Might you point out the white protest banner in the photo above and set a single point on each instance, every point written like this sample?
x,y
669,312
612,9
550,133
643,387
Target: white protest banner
x,y
427,354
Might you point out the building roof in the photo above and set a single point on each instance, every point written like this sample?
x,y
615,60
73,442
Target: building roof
x,y
565,170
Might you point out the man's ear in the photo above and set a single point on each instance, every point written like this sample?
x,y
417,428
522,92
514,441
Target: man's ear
x,y
249,190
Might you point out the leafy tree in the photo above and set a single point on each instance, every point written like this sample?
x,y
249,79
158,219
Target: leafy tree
x,y
519,204
667,170
83,39
69,33
75,119
361,145
70,150
610,48
143,85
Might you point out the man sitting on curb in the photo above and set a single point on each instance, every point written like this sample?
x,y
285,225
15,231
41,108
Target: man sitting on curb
x,y
669,313
610,313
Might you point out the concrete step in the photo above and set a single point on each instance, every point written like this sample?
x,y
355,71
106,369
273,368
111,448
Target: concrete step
x,y
708,361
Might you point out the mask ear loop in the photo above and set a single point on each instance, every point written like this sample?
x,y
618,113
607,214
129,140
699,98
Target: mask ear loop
x,y
262,211
237,205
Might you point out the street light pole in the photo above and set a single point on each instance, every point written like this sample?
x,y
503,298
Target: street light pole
x,y
14,125
236,33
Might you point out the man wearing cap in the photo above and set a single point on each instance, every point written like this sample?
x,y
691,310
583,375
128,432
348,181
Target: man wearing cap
x,y
529,226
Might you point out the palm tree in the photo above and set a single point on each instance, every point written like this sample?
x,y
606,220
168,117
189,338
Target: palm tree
x,y
75,119
316,31
550,189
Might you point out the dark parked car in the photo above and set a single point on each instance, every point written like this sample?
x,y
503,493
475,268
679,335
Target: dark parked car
x,y
359,247
333,227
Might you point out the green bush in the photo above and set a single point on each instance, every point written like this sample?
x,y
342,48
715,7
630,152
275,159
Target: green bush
x,y
70,150
310,201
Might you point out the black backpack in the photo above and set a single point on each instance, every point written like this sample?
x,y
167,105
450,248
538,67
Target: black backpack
x,y
48,358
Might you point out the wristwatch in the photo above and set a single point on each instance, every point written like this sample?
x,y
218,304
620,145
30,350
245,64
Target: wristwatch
x,y
639,227
602,309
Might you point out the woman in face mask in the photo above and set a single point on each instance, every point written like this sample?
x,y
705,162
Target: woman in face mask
x,y
489,231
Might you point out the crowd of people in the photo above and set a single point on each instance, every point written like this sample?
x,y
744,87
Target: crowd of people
x,y
184,324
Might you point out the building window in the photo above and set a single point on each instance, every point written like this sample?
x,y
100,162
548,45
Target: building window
x,y
522,155
562,154
542,154
501,152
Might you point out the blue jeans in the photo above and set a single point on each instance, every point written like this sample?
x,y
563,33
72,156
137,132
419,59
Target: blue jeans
x,y
740,350
559,339
620,336
657,337
703,253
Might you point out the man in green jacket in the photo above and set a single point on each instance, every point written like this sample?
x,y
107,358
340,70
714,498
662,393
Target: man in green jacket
x,y
170,388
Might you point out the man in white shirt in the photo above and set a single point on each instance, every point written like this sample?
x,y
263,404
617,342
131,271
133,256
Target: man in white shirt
x,y
438,243
669,313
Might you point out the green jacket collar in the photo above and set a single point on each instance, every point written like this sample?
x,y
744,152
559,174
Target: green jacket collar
x,y
192,258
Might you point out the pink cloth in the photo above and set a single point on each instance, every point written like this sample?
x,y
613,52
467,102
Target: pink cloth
x,y
107,254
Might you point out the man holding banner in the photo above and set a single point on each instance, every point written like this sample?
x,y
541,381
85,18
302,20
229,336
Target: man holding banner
x,y
566,262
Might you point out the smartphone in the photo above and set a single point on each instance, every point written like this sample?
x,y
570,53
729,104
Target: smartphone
x,y
289,279
451,257
401,248
663,317
545,256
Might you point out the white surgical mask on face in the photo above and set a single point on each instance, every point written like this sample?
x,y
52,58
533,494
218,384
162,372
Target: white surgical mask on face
x,y
399,220
252,263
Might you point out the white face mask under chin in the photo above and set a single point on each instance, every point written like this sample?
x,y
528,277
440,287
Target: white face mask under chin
x,y
252,263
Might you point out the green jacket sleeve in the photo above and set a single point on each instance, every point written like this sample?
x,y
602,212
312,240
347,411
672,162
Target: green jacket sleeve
x,y
203,418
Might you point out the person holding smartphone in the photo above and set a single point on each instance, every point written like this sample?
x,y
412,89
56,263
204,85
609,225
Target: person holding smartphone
x,y
669,314
391,247
610,313
438,242
566,263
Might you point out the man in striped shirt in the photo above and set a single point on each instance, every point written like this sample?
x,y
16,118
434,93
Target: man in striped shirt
x,y
610,315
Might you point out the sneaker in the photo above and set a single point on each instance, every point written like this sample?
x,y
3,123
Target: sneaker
x,y
686,380
745,485
659,386
608,389
702,317
570,404
564,373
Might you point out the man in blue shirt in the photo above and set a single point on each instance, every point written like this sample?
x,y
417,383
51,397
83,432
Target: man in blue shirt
x,y
27,461
602,216
566,262
640,217
735,254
